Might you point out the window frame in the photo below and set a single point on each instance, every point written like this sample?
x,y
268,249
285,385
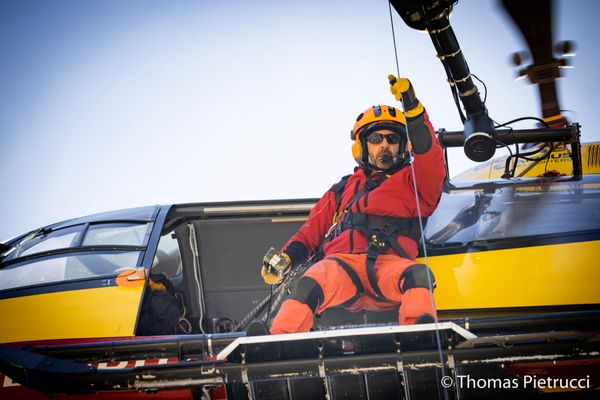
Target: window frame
x,y
79,247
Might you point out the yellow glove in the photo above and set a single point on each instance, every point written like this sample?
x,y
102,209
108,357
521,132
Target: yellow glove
x,y
275,266
403,91
398,86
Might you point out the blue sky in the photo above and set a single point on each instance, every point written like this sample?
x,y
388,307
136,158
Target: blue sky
x,y
114,104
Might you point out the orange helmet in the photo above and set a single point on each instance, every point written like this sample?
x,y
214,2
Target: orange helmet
x,y
372,119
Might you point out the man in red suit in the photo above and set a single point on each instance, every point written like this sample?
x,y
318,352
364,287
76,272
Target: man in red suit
x,y
368,224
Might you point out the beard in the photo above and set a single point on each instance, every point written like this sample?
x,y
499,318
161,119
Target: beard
x,y
383,160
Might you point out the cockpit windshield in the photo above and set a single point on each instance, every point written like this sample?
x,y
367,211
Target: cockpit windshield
x,y
516,211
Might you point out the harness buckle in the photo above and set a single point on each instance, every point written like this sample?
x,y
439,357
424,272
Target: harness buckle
x,y
378,242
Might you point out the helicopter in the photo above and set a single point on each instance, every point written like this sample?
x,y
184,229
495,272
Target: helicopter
x,y
513,244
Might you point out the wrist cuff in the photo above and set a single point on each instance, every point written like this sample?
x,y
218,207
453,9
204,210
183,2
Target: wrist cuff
x,y
297,252
415,112
409,99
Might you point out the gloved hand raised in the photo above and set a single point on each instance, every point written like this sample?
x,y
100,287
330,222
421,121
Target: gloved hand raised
x,y
398,86
275,266
403,91
420,137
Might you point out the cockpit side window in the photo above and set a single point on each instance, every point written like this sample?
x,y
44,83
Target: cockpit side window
x,y
81,251
59,268
121,234
59,239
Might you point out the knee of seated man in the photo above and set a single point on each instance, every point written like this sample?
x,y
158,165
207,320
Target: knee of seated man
x,y
416,276
309,292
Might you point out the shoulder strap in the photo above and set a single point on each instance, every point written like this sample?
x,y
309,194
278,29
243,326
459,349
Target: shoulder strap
x,y
338,189
370,184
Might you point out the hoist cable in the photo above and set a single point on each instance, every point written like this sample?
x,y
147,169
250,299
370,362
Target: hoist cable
x,y
421,227
394,39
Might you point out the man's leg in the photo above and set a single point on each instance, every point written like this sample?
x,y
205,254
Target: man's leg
x,y
325,284
408,283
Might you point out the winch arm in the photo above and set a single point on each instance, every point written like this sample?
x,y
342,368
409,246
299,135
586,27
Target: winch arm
x,y
434,17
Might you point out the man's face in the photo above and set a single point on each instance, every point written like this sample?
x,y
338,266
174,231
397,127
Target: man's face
x,y
382,154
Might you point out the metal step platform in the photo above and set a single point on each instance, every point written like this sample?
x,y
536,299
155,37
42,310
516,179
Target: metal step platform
x,y
429,361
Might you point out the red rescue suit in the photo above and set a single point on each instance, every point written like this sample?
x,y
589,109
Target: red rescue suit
x,y
344,277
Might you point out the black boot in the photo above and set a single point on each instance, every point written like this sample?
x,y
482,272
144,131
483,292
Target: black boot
x,y
259,352
425,318
257,328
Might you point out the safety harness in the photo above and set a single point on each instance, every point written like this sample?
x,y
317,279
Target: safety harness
x,y
381,232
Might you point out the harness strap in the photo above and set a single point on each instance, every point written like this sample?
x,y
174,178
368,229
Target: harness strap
x,y
394,245
389,226
372,254
338,189
381,232
369,185
355,280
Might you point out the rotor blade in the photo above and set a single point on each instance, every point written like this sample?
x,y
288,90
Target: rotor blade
x,y
534,20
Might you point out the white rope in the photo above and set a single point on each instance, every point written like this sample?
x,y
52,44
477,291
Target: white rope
x,y
412,168
195,255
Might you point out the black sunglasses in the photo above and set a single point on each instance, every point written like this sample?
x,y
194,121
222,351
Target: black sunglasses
x,y
377,138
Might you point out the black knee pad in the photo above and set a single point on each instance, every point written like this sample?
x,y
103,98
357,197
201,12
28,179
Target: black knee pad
x,y
309,292
416,276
